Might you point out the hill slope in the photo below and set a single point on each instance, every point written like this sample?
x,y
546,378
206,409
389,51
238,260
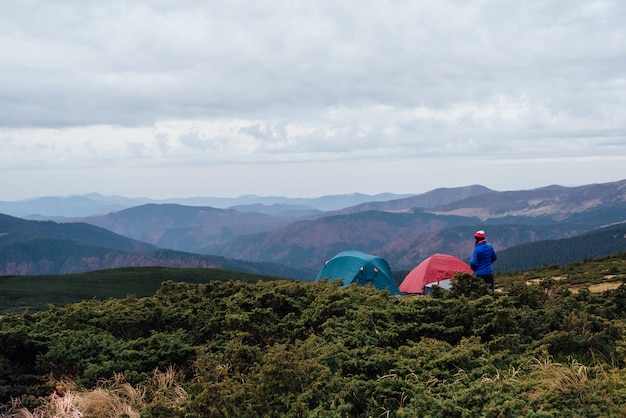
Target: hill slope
x,y
15,230
406,235
185,228
294,349
37,247
593,204
604,241
37,293
430,199
396,230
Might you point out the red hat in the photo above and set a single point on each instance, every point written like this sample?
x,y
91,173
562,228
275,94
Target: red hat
x,y
480,234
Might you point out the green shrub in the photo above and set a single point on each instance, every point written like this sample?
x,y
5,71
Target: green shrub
x,y
292,349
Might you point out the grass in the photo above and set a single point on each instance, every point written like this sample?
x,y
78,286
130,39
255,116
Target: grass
x,y
597,288
114,398
36,293
597,275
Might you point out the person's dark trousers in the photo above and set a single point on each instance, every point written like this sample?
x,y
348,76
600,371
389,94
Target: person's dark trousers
x,y
488,278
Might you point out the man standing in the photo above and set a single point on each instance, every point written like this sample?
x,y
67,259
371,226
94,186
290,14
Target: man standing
x,y
482,257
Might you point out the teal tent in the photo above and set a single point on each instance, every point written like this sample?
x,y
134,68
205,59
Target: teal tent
x,y
359,268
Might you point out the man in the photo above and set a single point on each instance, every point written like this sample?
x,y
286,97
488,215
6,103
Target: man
x,y
482,258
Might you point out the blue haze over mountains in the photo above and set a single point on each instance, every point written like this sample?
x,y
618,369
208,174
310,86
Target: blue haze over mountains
x,y
294,237
95,204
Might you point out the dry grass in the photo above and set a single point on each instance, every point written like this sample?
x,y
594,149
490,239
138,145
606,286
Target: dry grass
x,y
105,403
561,376
114,398
539,280
552,376
575,288
596,288
57,406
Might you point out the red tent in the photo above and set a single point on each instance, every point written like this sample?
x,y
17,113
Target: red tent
x,y
437,269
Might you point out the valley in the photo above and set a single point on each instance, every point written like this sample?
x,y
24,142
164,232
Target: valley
x,y
527,227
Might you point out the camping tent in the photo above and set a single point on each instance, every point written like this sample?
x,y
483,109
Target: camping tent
x,y
435,270
359,268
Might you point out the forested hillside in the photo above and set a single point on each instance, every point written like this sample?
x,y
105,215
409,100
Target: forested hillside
x,y
50,248
294,349
19,231
609,240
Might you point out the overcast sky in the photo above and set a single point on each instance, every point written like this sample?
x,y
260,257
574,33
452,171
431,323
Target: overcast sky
x,y
182,98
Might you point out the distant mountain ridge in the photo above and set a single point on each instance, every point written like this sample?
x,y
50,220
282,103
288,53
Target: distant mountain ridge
x,y
96,204
406,235
558,203
208,230
185,228
404,231
430,199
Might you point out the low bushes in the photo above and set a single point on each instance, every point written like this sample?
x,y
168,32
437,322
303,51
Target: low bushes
x,y
293,349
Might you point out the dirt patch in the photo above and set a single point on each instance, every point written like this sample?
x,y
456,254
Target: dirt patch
x,y
596,288
536,281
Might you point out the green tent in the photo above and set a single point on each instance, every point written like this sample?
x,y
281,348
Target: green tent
x,y
359,268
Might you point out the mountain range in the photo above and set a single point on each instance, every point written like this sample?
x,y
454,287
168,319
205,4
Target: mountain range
x,y
59,207
30,247
294,237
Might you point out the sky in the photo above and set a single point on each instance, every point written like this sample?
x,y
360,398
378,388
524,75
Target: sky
x,y
185,98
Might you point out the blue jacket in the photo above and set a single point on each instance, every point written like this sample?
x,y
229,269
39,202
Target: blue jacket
x,y
482,257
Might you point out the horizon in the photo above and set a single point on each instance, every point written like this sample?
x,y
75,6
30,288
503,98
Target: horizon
x,y
262,196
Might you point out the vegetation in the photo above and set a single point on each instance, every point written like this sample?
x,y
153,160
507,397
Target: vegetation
x,y
29,248
601,272
600,242
36,293
536,348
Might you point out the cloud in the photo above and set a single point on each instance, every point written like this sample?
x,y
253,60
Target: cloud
x,y
196,59
203,84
